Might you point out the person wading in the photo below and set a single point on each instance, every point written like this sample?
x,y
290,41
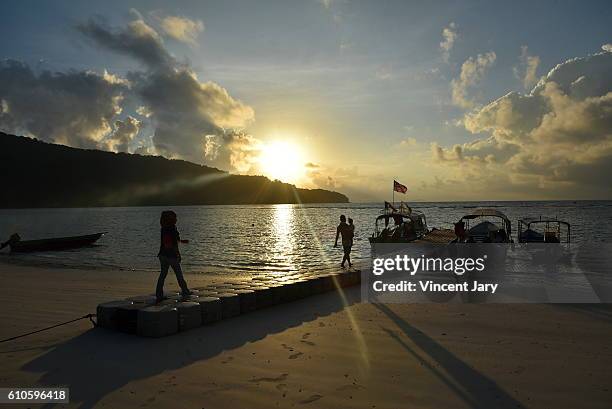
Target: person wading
x,y
347,234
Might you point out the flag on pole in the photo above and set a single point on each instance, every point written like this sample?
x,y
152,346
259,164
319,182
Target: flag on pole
x,y
398,187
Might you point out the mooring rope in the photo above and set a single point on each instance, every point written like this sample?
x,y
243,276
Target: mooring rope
x,y
90,316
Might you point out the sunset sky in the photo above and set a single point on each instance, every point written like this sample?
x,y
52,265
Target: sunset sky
x,y
458,100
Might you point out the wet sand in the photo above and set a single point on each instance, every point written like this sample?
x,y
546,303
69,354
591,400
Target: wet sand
x,y
328,351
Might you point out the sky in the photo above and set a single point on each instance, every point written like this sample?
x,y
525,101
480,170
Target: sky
x,y
470,100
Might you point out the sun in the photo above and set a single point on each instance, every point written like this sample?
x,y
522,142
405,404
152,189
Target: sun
x,y
282,160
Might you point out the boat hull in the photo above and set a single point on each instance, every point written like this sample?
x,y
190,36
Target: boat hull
x,y
55,244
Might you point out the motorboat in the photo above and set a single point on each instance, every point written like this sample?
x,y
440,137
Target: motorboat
x,y
51,244
543,230
484,226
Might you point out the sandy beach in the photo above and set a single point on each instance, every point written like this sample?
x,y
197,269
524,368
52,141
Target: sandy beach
x,y
325,351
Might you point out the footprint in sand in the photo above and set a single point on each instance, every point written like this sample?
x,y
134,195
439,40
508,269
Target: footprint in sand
x,y
308,343
228,360
279,378
306,335
281,387
287,347
349,387
311,399
296,355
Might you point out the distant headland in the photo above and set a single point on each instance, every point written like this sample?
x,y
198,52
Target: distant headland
x,y
40,174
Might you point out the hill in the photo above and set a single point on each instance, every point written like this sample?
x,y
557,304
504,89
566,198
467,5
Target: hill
x,y
40,174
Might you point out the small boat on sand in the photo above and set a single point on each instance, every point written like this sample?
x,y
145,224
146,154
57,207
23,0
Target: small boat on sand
x,y
51,244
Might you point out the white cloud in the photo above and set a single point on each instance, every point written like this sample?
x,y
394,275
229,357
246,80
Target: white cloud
x,y
607,47
124,133
527,69
472,72
557,138
449,36
182,28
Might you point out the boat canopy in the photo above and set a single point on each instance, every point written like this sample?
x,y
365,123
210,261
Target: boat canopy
x,y
486,212
533,220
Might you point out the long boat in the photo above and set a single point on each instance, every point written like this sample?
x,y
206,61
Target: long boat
x,y
52,244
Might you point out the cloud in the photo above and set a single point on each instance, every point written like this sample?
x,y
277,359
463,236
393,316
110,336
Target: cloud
x,y
183,110
182,28
556,138
123,135
527,69
233,150
408,142
607,47
472,72
74,108
384,72
449,35
138,40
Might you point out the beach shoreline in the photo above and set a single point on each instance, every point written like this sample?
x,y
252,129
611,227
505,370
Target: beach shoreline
x,y
325,351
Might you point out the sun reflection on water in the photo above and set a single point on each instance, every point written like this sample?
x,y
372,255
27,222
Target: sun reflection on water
x,y
283,228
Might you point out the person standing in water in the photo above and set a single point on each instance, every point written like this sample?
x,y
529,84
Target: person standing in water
x,y
345,231
169,255
351,230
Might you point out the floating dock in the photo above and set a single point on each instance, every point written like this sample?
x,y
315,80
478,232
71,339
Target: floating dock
x,y
141,315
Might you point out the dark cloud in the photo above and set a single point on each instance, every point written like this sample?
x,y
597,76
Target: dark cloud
x,y
72,108
137,40
185,112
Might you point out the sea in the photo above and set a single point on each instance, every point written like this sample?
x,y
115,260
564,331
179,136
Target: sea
x,y
249,239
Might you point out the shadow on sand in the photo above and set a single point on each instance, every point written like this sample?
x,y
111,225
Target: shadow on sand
x,y
476,389
99,361
601,312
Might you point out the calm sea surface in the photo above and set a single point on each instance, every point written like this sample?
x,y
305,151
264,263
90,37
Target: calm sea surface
x,y
249,239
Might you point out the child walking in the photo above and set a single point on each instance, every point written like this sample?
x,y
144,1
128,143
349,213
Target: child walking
x,y
169,255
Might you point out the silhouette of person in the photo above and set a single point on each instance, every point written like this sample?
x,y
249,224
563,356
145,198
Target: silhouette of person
x,y
351,230
13,239
169,255
345,231
460,231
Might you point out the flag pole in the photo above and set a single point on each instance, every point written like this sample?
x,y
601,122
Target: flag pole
x,y
393,193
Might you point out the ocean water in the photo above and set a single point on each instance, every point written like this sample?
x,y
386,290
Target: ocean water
x,y
250,239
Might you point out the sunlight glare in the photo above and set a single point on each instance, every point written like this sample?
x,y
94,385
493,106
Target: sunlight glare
x,y
282,160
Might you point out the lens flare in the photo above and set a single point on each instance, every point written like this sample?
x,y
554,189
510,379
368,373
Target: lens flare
x,y
282,160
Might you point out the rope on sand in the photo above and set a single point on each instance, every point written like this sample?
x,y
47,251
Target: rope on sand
x,y
89,316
